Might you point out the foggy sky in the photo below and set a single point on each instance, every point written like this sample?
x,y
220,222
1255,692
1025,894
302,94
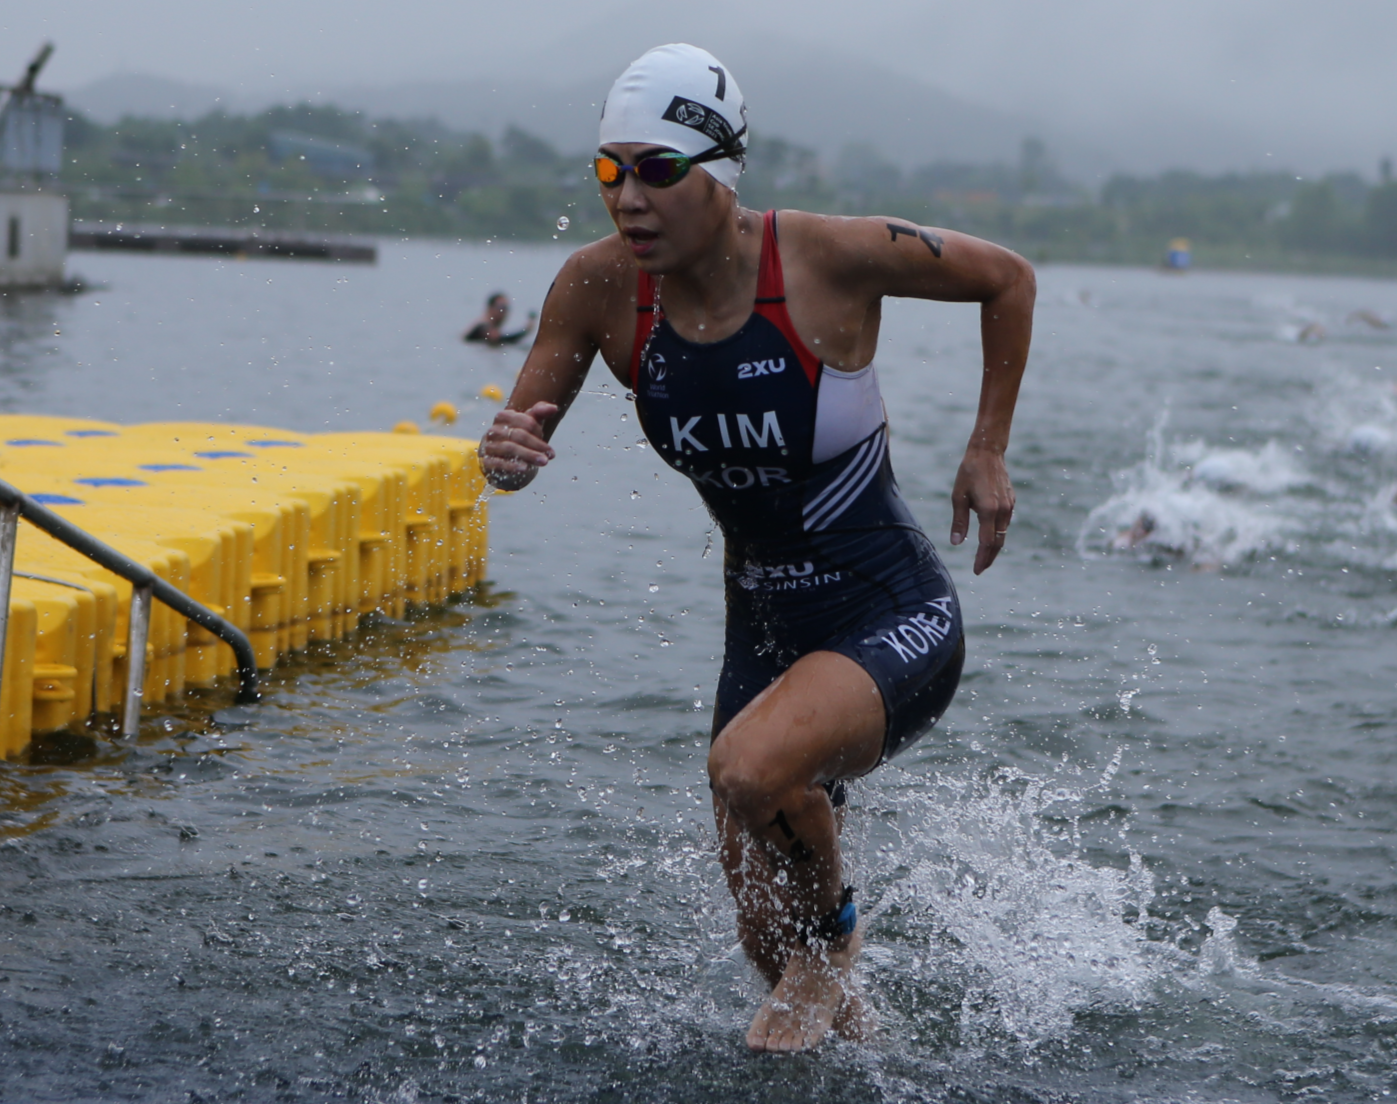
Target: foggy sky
x,y
1206,83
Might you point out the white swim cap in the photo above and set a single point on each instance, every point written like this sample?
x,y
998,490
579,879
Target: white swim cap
x,y
683,98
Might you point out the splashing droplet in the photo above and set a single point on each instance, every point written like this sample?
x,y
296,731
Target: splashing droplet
x,y
781,878
564,222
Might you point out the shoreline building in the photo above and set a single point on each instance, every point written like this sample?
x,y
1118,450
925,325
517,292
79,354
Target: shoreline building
x,y
33,213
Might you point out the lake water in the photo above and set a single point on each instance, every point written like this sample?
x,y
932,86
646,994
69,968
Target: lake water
x,y
1148,855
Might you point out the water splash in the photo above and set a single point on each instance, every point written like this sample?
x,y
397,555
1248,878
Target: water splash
x,y
1188,501
996,893
989,899
1268,470
1358,416
1326,488
983,891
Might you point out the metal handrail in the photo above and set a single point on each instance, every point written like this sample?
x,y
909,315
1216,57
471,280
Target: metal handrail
x,y
145,585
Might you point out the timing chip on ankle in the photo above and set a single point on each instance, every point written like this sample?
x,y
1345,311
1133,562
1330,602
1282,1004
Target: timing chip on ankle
x,y
833,925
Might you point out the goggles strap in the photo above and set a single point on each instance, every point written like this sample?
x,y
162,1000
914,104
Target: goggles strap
x,y
729,149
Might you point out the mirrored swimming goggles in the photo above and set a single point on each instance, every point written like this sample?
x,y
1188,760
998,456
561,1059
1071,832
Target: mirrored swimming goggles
x,y
663,170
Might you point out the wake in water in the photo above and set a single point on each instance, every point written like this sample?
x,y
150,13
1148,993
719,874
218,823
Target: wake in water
x,y
1330,491
1208,507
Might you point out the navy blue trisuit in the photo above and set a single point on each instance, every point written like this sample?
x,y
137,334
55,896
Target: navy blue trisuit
x,y
820,551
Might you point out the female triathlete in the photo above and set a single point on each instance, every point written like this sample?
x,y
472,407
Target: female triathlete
x,y
748,342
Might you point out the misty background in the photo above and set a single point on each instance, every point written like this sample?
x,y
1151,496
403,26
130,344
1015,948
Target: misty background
x,y
1255,134
1209,85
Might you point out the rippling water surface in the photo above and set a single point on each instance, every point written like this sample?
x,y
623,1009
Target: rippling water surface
x,y
1149,855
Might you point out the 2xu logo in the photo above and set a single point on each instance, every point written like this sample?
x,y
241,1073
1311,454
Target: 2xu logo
x,y
778,571
917,635
761,368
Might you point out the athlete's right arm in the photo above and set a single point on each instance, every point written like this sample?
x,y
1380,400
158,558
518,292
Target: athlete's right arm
x,y
516,444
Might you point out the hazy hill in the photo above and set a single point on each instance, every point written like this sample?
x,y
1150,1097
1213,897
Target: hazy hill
x,y
790,95
108,99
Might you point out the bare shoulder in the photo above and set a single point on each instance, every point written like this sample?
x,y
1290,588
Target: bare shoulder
x,y
839,247
594,282
603,266
886,255
806,230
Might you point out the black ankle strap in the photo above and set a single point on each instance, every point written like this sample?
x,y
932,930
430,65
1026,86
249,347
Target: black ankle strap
x,y
834,926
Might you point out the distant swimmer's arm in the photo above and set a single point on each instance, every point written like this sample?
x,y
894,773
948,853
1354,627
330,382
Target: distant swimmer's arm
x,y
516,444
519,335
903,259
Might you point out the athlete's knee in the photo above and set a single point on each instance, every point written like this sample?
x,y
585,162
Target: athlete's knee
x,y
730,775
750,784
741,776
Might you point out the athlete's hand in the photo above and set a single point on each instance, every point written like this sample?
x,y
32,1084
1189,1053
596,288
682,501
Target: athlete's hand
x,y
982,485
514,447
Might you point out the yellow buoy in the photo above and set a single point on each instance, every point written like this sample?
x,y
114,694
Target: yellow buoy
x,y
444,412
492,392
406,427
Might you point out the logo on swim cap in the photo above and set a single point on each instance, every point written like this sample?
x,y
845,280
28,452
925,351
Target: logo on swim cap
x,y
689,113
692,114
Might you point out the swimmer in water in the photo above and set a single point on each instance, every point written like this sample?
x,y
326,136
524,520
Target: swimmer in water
x,y
1141,531
489,327
748,343
1376,321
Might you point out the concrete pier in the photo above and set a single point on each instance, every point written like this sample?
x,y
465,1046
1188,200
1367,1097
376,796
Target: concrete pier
x,y
230,242
33,239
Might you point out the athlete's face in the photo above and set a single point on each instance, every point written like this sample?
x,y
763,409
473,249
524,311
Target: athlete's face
x,y
664,227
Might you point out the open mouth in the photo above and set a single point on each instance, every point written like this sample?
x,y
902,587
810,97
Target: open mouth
x,y
640,240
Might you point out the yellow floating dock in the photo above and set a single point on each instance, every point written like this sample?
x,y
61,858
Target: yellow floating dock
x,y
291,537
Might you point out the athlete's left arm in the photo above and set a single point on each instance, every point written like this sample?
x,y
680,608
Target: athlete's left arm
x,y
893,257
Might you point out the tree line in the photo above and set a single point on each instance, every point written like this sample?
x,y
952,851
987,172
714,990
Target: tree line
x,y
322,168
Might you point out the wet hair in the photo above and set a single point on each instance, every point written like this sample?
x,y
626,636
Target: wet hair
x,y
495,297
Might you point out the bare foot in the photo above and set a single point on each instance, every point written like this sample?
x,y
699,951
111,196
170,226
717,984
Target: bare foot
x,y
802,1007
855,1019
